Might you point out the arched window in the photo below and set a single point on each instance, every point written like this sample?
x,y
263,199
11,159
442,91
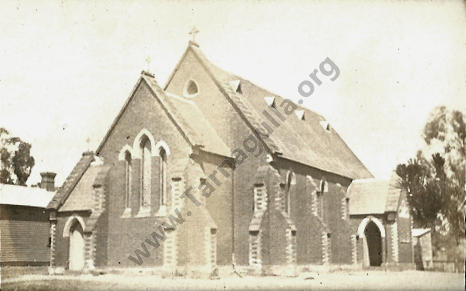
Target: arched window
x,y
163,176
323,188
146,165
128,178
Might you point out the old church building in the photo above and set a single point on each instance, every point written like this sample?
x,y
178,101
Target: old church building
x,y
212,170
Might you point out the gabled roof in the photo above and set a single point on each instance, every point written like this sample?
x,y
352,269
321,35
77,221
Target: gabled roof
x,y
301,140
374,196
24,196
188,112
192,122
71,181
81,197
182,115
224,84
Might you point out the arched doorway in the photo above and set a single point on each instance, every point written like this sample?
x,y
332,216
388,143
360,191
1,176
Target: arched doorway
x,y
76,252
372,232
374,244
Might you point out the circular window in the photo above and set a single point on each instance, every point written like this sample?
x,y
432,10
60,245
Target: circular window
x,y
191,89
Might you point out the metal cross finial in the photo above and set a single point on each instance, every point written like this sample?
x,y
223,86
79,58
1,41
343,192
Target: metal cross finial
x,y
193,33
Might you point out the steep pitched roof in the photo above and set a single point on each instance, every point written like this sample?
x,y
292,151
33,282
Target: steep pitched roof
x,y
223,82
374,196
191,120
24,196
71,181
302,140
81,197
192,116
182,115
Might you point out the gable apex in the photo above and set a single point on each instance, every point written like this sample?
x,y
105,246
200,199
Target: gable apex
x,y
322,149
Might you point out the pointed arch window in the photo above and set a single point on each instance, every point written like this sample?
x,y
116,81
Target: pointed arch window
x,y
323,188
146,169
128,179
163,176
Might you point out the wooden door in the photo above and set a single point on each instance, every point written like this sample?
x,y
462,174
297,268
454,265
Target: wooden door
x,y
76,247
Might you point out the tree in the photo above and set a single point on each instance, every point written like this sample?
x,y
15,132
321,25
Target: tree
x,y
425,196
16,161
435,179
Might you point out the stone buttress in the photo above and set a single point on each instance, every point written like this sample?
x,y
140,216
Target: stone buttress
x,y
272,234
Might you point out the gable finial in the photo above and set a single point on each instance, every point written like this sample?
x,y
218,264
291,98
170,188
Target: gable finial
x,y
193,33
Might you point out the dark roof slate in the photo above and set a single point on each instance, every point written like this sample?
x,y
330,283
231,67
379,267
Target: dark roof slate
x,y
304,141
374,196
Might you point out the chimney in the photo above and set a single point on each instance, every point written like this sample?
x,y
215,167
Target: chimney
x,y
48,181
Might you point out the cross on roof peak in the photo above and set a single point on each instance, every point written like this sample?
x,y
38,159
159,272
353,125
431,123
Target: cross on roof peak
x,y
193,33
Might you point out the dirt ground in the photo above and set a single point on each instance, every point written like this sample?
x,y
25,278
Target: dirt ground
x,y
370,280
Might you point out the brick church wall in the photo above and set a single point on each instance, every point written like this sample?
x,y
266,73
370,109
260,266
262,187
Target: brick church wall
x,y
340,227
219,205
233,130
309,227
125,235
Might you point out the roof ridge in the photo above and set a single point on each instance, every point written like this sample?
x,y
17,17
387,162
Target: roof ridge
x,y
120,113
330,157
243,107
160,95
241,79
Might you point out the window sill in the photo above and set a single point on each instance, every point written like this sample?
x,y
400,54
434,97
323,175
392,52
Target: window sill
x,y
144,211
126,213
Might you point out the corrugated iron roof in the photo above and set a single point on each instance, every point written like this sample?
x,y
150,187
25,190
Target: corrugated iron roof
x,y
24,196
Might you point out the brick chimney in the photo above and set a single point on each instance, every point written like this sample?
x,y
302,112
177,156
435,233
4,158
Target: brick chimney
x,y
48,181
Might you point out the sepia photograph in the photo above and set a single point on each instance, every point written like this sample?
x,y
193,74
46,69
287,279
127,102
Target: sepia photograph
x,y
232,145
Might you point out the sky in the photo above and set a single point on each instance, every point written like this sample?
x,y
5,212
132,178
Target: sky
x,y
67,67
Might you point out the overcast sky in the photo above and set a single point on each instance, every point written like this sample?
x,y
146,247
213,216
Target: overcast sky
x,y
66,67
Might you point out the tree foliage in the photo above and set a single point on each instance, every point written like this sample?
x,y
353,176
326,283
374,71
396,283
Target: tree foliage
x,y
435,178
16,161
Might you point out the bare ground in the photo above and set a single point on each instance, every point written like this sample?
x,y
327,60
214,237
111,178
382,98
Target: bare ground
x,y
370,280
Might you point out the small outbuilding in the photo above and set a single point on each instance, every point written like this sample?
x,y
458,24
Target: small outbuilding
x,y
24,223
422,243
379,210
